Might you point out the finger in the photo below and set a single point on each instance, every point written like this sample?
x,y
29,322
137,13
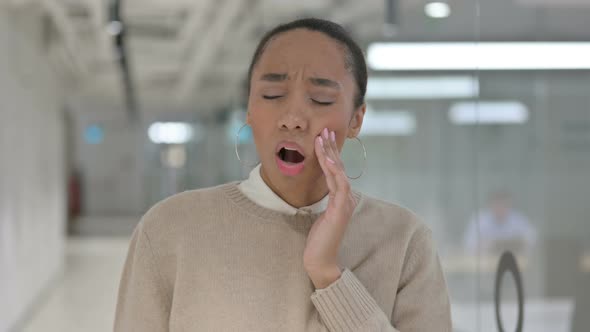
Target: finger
x,y
342,184
338,171
335,192
337,151
336,155
332,154
333,150
324,163
339,203
328,146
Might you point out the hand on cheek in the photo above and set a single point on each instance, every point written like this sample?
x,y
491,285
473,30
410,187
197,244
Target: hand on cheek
x,y
325,236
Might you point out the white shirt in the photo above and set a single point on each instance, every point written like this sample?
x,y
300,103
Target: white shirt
x,y
485,229
258,191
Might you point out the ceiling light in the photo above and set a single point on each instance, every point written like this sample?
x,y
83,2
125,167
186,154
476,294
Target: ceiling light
x,y
114,28
491,112
388,123
170,132
437,9
479,56
431,87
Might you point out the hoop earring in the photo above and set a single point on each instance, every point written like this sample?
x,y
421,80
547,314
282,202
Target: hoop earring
x,y
364,160
236,146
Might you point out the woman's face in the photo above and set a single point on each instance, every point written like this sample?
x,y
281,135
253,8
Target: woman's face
x,y
300,86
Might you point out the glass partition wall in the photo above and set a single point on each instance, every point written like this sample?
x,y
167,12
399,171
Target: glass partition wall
x,y
495,157
482,127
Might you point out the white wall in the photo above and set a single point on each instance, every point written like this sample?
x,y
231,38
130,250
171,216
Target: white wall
x,y
32,175
112,170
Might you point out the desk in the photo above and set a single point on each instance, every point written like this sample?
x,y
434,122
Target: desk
x,y
471,264
541,314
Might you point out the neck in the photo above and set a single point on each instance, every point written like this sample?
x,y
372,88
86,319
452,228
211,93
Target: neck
x,y
296,192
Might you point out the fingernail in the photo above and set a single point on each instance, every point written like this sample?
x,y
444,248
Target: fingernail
x,y
333,136
321,140
325,132
330,160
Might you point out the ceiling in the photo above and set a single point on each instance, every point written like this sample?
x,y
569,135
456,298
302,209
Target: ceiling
x,y
196,52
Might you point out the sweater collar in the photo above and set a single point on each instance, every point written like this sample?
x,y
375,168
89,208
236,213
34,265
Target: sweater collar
x,y
260,193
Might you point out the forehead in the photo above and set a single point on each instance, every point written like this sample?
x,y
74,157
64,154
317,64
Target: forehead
x,y
304,49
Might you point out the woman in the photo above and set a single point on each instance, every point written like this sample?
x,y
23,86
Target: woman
x,y
292,248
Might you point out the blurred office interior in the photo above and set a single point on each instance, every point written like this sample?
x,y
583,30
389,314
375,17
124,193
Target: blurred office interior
x,y
478,120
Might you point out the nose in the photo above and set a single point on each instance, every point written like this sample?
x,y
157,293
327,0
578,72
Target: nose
x,y
293,117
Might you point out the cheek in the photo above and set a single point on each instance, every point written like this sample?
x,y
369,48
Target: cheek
x,y
335,121
262,124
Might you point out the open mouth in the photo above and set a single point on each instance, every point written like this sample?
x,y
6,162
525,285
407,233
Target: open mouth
x,y
290,156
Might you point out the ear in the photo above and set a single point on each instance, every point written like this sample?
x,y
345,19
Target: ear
x,y
356,122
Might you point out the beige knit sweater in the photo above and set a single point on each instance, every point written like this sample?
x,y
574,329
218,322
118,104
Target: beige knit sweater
x,y
213,260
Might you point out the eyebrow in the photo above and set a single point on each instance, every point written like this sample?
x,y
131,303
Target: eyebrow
x,y
275,77
324,82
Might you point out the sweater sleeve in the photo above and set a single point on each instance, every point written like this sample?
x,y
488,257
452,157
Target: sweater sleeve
x,y
422,301
421,304
347,306
142,304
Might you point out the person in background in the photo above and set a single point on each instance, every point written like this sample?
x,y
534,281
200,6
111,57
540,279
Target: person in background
x,y
499,228
293,247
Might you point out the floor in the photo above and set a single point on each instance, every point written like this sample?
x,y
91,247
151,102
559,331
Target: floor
x,y
85,297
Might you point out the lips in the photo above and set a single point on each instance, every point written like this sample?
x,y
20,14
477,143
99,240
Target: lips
x,y
290,152
290,158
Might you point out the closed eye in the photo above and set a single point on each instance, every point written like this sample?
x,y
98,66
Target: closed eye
x,y
271,97
323,103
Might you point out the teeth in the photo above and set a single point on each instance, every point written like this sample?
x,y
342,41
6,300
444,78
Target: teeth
x,y
290,149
